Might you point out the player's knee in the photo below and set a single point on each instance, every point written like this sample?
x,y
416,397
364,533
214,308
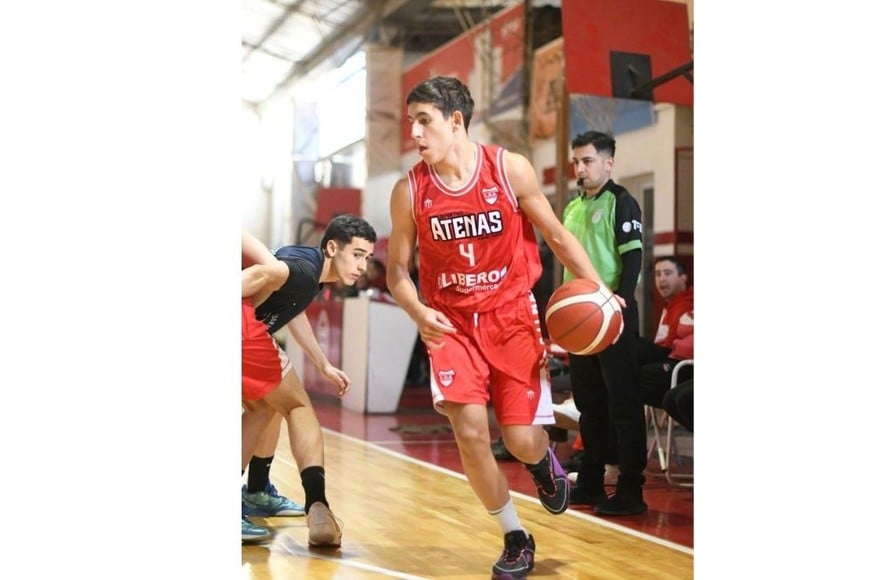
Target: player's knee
x,y
258,411
526,444
471,436
287,406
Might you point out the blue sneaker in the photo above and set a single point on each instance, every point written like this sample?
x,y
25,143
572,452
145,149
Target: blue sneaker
x,y
269,503
251,532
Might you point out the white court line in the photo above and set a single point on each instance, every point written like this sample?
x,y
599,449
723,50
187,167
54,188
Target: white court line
x,y
573,513
290,546
414,442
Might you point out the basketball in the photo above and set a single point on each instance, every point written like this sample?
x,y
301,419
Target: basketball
x,y
583,316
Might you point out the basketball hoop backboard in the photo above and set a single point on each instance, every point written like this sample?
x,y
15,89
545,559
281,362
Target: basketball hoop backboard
x,y
629,49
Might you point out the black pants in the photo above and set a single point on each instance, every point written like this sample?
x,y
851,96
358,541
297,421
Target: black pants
x,y
607,391
656,380
650,352
679,402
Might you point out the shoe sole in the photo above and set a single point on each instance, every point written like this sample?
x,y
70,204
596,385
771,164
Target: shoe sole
x,y
282,514
564,504
324,544
255,539
513,575
252,508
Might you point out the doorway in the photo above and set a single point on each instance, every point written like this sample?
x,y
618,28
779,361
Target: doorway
x,y
642,189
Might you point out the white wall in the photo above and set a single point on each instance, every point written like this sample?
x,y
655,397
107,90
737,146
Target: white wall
x,y
266,149
271,206
277,212
639,152
376,201
277,132
254,200
651,150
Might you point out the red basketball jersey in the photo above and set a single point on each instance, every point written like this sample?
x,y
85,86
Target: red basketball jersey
x,y
477,249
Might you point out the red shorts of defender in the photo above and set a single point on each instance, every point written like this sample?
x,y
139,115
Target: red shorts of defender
x,y
498,355
261,359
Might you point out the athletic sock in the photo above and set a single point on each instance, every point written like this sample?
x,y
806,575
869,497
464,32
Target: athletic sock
x,y
507,518
314,484
542,471
258,473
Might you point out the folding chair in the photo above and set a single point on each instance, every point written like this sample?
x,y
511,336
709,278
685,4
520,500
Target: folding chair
x,y
685,479
656,420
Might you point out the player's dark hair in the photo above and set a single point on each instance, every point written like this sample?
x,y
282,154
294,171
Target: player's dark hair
x,y
681,268
603,143
447,94
343,228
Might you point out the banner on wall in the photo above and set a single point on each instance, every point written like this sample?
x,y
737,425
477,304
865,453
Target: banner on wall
x,y
333,201
586,112
546,95
488,59
384,65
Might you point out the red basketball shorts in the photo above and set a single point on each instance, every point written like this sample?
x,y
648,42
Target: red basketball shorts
x,y
497,355
261,356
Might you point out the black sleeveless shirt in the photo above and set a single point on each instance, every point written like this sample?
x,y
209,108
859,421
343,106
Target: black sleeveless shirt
x,y
301,288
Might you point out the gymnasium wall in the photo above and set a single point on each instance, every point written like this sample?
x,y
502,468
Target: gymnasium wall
x,y
280,192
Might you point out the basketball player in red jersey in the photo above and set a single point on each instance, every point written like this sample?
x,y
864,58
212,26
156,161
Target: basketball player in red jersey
x,y
470,209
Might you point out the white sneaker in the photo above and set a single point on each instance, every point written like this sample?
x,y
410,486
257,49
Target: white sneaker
x,y
611,474
566,412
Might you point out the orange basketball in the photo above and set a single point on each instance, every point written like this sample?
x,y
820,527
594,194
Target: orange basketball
x,y
583,316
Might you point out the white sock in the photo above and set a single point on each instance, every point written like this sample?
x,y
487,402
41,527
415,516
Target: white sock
x,y
507,518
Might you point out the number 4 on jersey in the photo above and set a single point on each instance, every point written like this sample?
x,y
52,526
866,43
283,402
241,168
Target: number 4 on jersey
x,y
467,250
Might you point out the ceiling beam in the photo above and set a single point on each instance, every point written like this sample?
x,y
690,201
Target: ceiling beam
x,y
365,19
271,53
289,11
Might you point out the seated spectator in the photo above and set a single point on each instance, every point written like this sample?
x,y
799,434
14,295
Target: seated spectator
x,y
374,278
674,341
674,337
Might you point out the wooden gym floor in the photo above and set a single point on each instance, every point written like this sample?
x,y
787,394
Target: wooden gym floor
x,y
395,482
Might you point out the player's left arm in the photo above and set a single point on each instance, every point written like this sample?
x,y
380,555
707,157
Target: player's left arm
x,y
262,279
629,243
534,204
260,282
254,251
